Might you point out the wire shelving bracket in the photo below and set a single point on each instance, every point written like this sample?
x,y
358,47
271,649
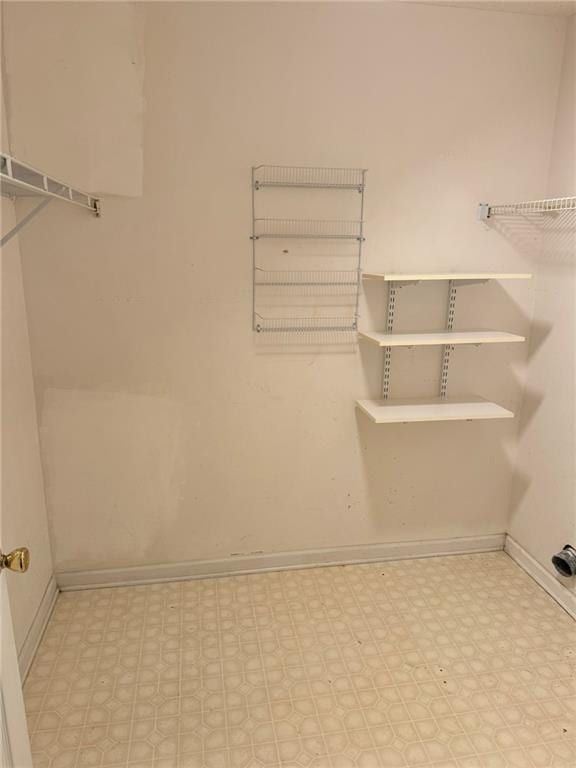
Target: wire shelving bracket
x,y
324,280
18,179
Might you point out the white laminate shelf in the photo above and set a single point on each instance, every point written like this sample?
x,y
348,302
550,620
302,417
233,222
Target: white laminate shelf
x,y
416,277
436,409
439,338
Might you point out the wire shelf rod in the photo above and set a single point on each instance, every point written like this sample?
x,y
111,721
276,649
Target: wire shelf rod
x,y
316,177
306,185
328,229
333,278
304,324
278,235
550,205
316,282
18,179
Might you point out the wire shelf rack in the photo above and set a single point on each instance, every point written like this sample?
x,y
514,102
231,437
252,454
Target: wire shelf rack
x,y
320,178
304,278
328,278
325,229
551,205
304,324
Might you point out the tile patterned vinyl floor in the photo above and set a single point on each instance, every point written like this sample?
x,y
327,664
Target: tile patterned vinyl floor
x,y
450,662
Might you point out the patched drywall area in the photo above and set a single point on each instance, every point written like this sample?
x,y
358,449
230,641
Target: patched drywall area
x,y
169,431
544,501
74,78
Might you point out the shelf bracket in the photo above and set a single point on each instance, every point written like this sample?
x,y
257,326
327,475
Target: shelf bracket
x,y
390,311
22,223
472,281
448,348
483,212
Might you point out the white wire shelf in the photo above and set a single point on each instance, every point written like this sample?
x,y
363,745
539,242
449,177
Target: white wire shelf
x,y
416,277
18,179
320,178
439,338
325,229
529,207
305,278
304,324
436,409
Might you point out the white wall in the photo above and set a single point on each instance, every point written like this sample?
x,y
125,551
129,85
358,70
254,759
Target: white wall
x,y
169,432
544,501
23,520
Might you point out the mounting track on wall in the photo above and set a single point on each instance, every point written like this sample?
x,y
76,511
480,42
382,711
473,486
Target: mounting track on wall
x,y
18,179
341,245
442,408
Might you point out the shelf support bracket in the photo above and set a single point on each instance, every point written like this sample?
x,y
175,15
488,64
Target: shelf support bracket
x,y
483,212
391,308
472,281
448,348
22,223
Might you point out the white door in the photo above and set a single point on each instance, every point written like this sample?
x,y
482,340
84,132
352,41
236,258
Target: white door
x,y
15,745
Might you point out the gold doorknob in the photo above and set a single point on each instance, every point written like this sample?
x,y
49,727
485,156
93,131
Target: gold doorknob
x,y
18,560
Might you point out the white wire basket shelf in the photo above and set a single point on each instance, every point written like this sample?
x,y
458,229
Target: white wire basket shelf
x,y
304,324
529,207
320,178
323,229
305,278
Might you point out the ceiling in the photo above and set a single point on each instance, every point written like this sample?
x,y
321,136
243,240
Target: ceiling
x,y
534,8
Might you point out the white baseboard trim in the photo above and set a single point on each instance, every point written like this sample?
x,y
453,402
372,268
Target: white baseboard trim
x,y
553,585
39,622
280,561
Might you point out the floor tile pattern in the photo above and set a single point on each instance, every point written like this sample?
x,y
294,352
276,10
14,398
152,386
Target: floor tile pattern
x,y
452,662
